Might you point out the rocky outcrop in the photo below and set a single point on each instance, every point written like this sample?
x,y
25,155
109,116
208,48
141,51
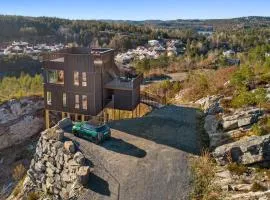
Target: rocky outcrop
x,y
240,118
58,168
223,128
210,104
19,120
241,187
251,150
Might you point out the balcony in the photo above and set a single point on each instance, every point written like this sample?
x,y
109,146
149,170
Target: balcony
x,y
124,83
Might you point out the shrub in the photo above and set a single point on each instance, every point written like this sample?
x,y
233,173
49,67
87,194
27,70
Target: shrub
x,y
18,172
258,187
237,169
243,76
203,172
248,98
257,130
244,98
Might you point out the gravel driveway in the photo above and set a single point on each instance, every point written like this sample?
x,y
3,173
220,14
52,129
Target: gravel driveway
x,y
146,159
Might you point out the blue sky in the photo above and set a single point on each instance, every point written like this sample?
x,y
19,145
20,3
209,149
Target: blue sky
x,y
137,9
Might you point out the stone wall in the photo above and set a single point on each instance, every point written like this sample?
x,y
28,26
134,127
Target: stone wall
x,y
58,169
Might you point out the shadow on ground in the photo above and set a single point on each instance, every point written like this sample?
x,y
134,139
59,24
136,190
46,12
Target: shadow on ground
x,y
117,145
123,147
98,185
173,126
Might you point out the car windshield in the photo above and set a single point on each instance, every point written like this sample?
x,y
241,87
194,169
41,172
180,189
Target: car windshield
x,y
88,126
101,128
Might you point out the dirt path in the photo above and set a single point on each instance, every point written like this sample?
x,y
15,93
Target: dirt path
x,y
147,158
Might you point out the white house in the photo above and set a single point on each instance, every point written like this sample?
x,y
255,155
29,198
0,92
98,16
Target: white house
x,y
153,42
228,53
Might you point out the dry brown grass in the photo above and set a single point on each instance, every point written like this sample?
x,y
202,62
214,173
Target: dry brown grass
x,y
203,172
18,172
200,84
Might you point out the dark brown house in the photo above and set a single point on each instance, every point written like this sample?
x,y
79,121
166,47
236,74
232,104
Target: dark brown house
x,y
81,82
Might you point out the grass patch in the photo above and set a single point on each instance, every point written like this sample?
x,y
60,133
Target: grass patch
x,y
203,172
237,169
33,196
18,172
261,128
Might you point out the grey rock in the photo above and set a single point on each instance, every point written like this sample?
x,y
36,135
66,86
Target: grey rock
x,y
83,175
246,151
79,158
40,167
210,104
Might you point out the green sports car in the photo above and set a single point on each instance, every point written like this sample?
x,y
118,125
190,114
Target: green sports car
x,y
91,132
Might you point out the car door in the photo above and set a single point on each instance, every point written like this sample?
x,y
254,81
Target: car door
x,y
87,132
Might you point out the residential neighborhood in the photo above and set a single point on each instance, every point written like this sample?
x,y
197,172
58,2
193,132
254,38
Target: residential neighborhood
x,y
21,47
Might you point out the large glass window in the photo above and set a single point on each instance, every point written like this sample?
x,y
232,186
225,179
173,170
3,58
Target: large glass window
x,y
76,78
56,76
84,102
49,98
64,99
84,79
77,101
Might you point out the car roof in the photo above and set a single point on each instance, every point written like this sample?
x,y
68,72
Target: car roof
x,y
92,125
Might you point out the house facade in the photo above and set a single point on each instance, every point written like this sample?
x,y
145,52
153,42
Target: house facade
x,y
82,82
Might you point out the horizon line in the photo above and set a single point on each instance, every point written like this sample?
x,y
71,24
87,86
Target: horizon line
x,y
135,20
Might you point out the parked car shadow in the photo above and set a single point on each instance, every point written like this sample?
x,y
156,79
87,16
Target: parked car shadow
x,y
173,126
123,147
114,144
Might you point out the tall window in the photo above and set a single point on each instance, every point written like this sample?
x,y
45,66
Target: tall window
x,y
77,101
64,99
55,76
76,78
84,102
49,98
84,79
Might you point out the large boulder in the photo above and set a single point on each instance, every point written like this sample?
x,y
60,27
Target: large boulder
x,y
210,104
18,132
20,120
211,126
241,118
250,150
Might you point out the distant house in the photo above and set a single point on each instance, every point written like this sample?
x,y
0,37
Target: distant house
x,y
267,54
153,42
229,53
